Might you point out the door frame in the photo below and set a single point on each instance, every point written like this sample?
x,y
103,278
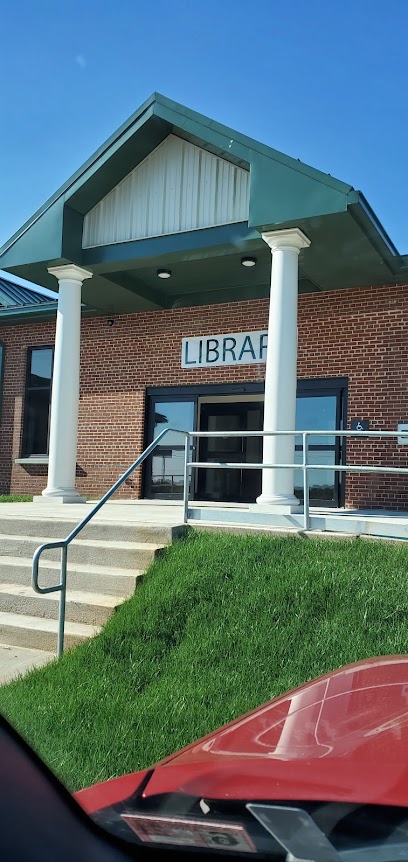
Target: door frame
x,y
225,408
151,401
193,392
337,386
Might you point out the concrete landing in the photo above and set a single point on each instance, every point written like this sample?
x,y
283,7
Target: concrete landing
x,y
168,513
371,523
164,513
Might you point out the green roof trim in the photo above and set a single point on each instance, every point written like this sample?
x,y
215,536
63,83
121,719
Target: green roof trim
x,y
38,313
99,153
46,311
233,144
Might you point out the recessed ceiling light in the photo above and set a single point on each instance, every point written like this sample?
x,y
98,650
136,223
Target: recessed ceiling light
x,y
164,273
248,261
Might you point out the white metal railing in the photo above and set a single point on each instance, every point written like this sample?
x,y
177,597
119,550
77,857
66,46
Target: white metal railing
x,y
305,466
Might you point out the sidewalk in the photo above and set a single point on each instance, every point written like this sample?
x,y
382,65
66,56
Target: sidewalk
x,y
16,660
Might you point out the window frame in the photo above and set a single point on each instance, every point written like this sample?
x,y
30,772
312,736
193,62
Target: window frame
x,y
27,390
2,357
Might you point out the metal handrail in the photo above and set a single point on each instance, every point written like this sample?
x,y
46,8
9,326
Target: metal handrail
x,y
63,543
305,466
329,433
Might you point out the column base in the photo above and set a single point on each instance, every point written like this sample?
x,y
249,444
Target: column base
x,y
58,499
277,504
275,509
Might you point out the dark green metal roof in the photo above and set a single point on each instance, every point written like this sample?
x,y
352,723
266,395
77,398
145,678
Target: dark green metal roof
x,y
14,295
348,248
17,303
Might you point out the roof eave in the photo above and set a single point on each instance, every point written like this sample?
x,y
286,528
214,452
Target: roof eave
x,y
93,159
370,224
38,313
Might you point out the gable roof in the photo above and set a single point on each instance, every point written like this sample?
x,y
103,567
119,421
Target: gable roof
x,y
349,246
194,127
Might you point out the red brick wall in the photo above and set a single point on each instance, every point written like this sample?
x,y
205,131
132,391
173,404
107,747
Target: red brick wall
x,y
16,340
360,334
363,335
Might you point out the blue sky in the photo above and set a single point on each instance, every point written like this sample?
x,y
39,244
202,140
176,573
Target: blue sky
x,y
322,81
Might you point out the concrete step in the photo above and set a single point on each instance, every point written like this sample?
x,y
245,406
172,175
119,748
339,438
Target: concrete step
x,y
103,566
28,631
54,528
81,607
80,576
125,555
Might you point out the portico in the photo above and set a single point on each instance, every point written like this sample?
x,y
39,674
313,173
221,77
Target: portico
x,y
280,376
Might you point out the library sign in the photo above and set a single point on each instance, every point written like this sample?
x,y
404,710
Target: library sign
x,y
238,348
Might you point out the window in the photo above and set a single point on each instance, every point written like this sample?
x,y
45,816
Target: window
x,y
166,480
37,401
1,375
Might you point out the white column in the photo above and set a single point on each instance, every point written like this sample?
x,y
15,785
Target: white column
x,y
281,367
65,387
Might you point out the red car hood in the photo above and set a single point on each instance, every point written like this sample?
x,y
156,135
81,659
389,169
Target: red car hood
x,y
342,737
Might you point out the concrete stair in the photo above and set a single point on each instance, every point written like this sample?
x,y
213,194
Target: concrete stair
x,y
104,565
125,555
81,607
99,579
26,631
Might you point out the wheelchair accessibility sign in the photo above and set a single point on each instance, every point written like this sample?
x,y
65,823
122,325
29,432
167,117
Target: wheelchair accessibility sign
x,y
360,425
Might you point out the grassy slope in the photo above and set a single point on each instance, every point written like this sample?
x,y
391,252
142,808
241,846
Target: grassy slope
x,y
220,624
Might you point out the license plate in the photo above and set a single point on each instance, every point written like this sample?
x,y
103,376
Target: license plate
x,y
190,833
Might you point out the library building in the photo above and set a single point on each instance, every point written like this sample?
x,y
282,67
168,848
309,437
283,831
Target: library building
x,y
203,281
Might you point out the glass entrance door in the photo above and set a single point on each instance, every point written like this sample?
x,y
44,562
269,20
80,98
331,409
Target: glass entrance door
x,y
238,486
317,408
321,410
165,467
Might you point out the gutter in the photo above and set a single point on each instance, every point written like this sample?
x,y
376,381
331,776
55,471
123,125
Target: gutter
x,y
46,311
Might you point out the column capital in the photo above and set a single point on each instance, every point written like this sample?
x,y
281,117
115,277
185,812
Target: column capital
x,y
293,239
70,272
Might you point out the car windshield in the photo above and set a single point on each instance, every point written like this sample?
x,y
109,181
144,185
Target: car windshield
x,y
204,422
318,831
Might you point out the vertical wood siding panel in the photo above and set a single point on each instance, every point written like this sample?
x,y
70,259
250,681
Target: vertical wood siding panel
x,y
178,187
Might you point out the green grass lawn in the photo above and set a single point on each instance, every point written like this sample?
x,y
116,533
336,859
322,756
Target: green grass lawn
x,y
220,624
16,498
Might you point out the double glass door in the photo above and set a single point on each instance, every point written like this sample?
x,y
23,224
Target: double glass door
x,y
318,407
